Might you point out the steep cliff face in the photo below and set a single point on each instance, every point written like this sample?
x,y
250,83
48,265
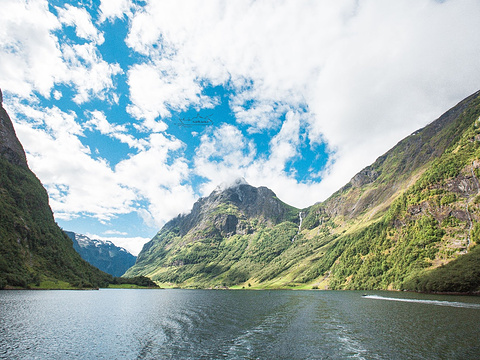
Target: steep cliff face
x,y
420,213
32,247
10,147
375,187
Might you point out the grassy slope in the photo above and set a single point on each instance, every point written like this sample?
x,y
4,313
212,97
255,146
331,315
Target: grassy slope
x,y
203,258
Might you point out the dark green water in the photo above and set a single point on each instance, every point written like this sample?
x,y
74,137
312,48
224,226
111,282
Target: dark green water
x,y
198,324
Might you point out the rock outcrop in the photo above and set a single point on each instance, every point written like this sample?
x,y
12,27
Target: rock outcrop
x,y
10,147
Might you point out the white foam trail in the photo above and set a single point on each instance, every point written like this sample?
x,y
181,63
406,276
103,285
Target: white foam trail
x,y
430,302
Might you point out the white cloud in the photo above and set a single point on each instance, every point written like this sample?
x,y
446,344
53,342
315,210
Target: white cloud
x,y
82,21
80,185
159,175
35,60
31,58
115,232
367,73
224,155
113,9
77,183
90,75
98,121
285,145
57,95
261,115
160,87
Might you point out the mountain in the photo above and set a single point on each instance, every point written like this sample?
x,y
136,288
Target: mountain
x,y
33,249
429,230
227,237
104,255
408,221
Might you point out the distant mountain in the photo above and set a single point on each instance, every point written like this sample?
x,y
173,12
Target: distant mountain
x,y
408,221
33,249
104,255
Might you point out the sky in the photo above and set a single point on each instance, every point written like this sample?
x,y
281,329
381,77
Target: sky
x,y
129,110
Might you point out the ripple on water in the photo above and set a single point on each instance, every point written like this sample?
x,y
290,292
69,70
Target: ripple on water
x,y
191,324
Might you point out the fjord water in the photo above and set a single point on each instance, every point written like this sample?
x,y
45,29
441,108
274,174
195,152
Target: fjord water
x,y
208,324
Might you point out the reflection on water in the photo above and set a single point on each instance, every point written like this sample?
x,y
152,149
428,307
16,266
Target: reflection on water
x,y
200,324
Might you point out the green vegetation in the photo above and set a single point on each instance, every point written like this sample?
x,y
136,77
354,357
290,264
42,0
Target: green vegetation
x,y
34,252
380,257
207,262
134,282
409,221
32,246
429,223
405,222
459,275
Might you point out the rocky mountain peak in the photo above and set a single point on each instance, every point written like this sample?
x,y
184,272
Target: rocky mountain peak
x,y
231,184
10,147
230,203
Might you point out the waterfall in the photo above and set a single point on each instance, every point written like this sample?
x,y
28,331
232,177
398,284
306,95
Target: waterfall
x,y
299,226
301,219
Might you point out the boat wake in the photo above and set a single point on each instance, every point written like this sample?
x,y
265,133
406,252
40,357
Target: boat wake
x,y
429,302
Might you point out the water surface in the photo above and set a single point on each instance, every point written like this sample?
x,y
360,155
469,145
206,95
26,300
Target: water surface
x,y
207,324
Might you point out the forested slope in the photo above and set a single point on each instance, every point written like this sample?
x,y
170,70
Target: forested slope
x,y
33,249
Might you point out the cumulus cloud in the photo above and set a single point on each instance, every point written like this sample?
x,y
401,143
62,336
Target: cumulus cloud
x,y
34,59
223,155
82,21
77,183
91,76
81,185
113,9
31,58
226,154
159,175
98,121
367,73
160,87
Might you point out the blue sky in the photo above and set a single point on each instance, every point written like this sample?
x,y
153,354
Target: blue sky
x,y
129,111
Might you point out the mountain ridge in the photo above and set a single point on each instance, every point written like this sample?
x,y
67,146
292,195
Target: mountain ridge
x,y
416,154
234,212
372,218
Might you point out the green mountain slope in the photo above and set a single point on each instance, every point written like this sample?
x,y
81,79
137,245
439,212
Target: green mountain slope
x,y
432,223
33,248
227,238
401,223
416,192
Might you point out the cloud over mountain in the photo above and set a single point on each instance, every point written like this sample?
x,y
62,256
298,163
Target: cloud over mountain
x,y
300,94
